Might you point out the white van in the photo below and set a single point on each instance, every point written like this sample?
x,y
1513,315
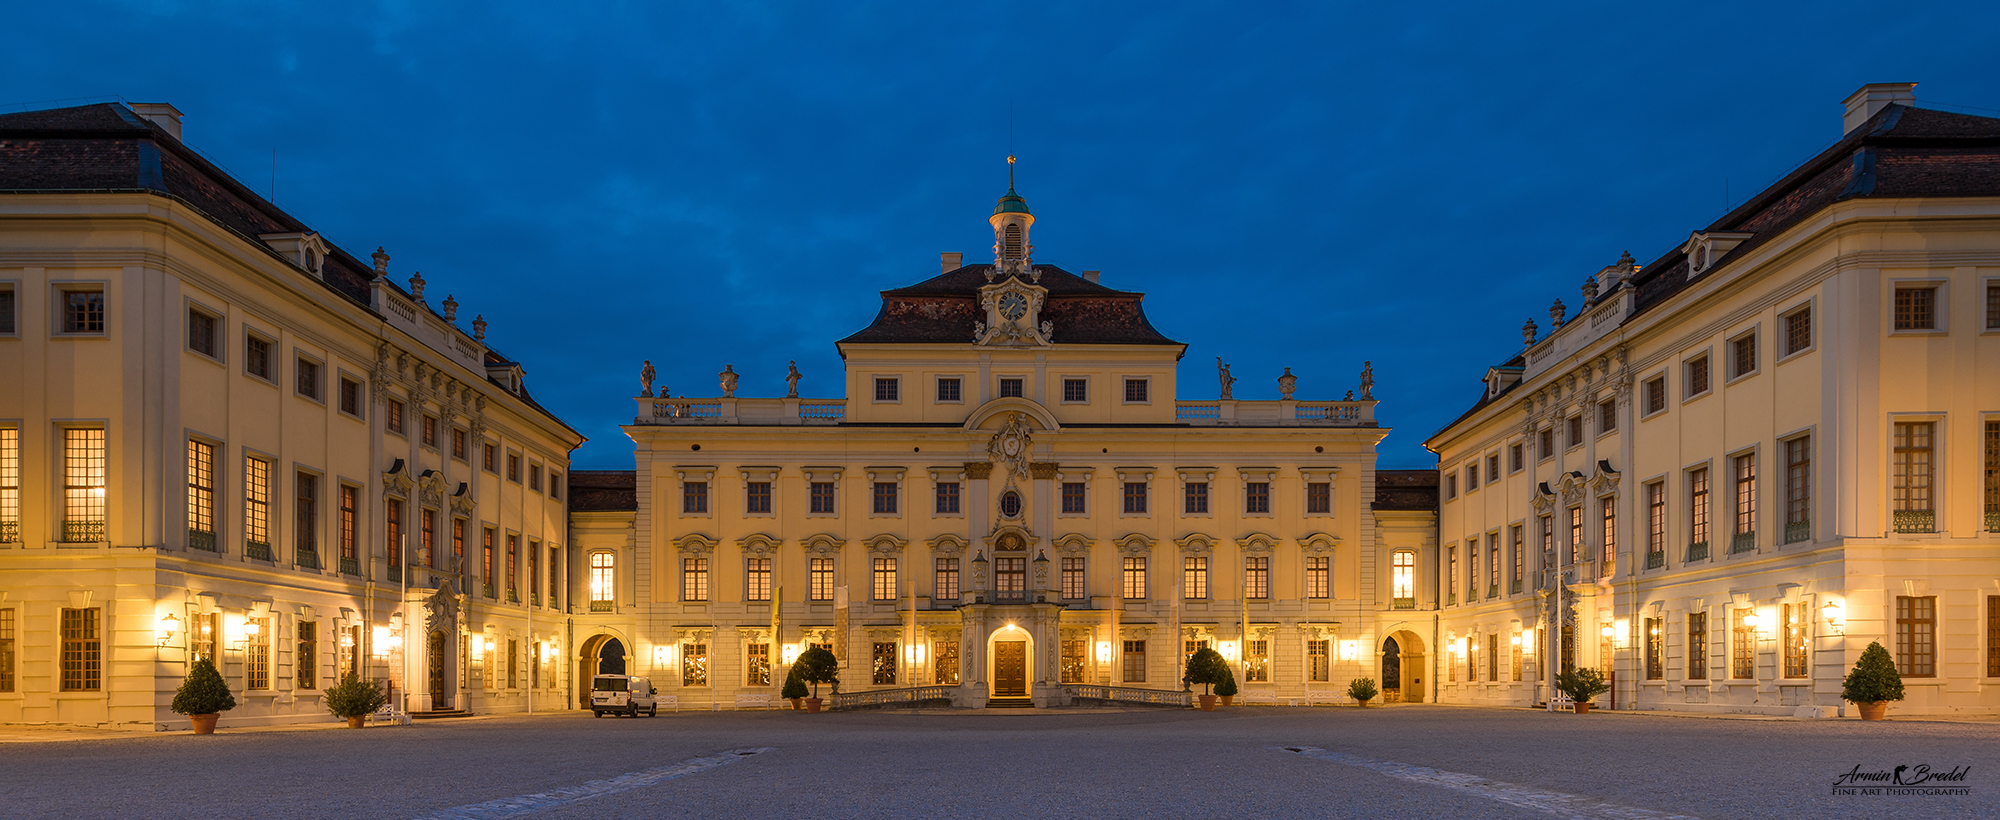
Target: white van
x,y
622,694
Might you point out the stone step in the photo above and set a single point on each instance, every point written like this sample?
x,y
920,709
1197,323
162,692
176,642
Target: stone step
x,y
440,713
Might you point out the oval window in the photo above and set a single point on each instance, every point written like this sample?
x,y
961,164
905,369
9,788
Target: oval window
x,y
1010,504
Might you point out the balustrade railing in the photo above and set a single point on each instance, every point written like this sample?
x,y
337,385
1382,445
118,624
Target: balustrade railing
x,y
1656,560
82,532
1992,522
1127,695
308,559
1197,412
1327,412
1743,542
1698,551
396,572
257,549
597,606
910,697
203,540
350,566
1916,520
823,410
1798,531
1402,603
10,532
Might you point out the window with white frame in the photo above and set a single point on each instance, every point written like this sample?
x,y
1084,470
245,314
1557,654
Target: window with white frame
x,y
84,502
201,495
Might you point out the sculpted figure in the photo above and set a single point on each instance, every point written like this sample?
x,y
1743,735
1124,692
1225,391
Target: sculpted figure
x,y
728,376
1228,381
1367,381
792,379
1286,384
646,380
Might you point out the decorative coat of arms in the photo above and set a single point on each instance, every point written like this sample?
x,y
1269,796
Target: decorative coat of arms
x,y
1009,447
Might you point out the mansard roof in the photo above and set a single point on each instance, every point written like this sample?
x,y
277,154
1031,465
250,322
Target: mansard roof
x,y
1414,490
943,309
603,490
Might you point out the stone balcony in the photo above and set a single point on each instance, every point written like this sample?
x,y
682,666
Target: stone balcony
x,y
1222,413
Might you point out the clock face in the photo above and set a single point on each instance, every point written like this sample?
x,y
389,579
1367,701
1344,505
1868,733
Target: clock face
x,y
1013,305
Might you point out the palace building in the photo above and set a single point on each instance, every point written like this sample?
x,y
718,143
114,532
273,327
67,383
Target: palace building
x,y
1734,467
223,436
1014,503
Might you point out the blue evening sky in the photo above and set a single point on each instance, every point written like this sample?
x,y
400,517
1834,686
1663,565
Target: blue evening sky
x,y
703,184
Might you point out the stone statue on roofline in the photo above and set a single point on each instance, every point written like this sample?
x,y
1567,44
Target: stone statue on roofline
x,y
1367,381
728,377
1228,381
646,380
1286,384
792,378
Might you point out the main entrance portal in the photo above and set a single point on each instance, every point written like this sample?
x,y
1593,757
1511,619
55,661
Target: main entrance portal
x,y
440,676
1010,669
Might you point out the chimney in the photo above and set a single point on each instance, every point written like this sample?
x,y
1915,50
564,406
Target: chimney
x,y
163,115
1872,98
951,261
1091,276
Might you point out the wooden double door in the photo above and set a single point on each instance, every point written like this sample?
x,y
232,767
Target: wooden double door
x,y
1010,669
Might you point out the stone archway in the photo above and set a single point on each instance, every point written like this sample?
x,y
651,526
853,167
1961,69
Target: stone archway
x,y
600,655
1010,651
1402,668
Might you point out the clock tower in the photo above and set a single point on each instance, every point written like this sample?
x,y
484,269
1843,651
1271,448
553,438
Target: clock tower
x,y
1012,255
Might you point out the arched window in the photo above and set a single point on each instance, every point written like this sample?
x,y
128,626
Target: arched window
x,y
603,578
1403,579
1012,246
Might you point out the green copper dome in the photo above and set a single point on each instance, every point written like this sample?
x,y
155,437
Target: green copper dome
x,y
1012,203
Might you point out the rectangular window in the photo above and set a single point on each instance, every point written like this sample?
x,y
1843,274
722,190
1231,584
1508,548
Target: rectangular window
x,y
757,579
535,573
8,326
7,650
1798,489
1135,661
305,542
757,497
1257,662
82,650
1743,355
350,531
458,450
513,568
1742,645
555,578
1655,395
1403,579
1992,305
694,664
1576,547
1135,391
822,579
308,379
1492,468
489,457
1196,498
535,477
1318,576
350,397
1493,656
1545,443
822,497
1451,575
694,497
1798,331
1072,497
201,333
429,436
1257,577
257,357
885,498
1492,565
887,389
1607,416
1697,376
392,416
945,580
1575,424
1992,638
1514,461
1451,486
1257,497
257,654
1916,636
1656,650
1075,660
1076,390
486,573
1134,586
945,665
84,500
257,505
1794,629
201,495
1520,570
1319,667
1912,478
603,579
1697,648
1010,388
1010,577
1916,308
757,663
1992,505
885,579
1698,512
1607,519
392,514
306,661
1745,525
83,311
427,538
203,633
694,579
1194,577
458,544
1656,525
947,498
514,467
884,663
1319,497
1072,578
948,390
1135,497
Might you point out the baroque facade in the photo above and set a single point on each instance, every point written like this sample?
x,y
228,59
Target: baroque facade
x,y
1737,465
224,436
1011,502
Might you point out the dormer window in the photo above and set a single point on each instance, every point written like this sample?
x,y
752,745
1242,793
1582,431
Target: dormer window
x,y
1704,249
305,249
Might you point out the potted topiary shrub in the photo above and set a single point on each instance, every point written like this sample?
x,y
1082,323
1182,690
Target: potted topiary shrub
x,y
1226,689
817,666
1581,685
354,699
203,697
1873,683
1207,668
1362,690
795,687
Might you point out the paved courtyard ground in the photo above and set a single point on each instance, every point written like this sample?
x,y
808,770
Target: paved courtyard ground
x,y
1413,761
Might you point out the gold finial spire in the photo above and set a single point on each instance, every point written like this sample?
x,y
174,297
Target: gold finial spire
x,y
1010,172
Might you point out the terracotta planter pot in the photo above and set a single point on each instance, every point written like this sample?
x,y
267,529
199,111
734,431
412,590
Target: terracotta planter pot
x,y
1228,699
796,704
1873,711
204,724
1364,704
357,721
812,706
1207,702
1583,708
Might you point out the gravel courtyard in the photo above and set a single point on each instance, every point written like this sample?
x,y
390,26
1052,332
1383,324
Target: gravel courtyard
x,y
1416,761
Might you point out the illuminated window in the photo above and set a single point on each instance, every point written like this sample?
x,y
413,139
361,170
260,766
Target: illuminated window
x,y
83,484
1135,661
946,580
1134,575
822,579
694,664
82,650
1916,636
1403,575
201,495
603,579
256,502
1697,646
757,575
1072,578
884,577
1194,577
758,663
694,579
257,654
1318,574
1257,577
